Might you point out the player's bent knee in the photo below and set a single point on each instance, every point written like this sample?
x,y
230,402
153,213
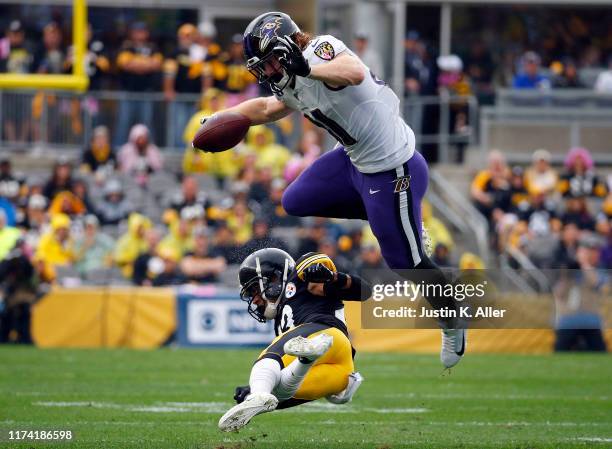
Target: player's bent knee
x,y
323,380
291,204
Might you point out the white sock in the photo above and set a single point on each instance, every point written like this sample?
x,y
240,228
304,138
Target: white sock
x,y
291,378
265,375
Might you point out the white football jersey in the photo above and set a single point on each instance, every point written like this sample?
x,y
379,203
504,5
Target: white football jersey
x,y
365,119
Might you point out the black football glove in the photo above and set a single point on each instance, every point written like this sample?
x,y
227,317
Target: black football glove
x,y
241,393
318,273
290,57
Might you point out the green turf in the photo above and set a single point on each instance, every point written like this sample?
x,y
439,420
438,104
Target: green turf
x,y
173,399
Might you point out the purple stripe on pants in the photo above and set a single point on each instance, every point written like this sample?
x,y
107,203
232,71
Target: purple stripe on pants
x,y
333,187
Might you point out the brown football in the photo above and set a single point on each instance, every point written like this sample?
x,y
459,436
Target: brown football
x,y
221,132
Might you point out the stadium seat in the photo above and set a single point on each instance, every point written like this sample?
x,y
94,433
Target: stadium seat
x,y
101,276
229,277
68,276
287,235
206,183
588,76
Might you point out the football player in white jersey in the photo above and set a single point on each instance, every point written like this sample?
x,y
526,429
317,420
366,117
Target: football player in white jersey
x,y
374,173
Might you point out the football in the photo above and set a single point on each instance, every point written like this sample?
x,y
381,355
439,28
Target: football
x,y
221,132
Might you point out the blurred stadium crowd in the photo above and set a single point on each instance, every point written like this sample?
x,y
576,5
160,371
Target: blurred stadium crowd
x,y
195,64
121,217
553,217
515,47
118,214
573,54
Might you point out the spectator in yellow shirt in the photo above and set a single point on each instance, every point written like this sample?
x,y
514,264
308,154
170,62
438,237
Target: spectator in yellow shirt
x,y
240,222
180,237
541,177
67,203
132,243
220,165
183,75
139,66
269,154
8,236
438,233
56,247
490,188
228,73
470,261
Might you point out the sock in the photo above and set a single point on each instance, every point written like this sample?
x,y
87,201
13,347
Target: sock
x,y
291,378
265,375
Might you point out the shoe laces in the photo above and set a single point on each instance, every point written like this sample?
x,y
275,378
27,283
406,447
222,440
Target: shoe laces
x,y
449,340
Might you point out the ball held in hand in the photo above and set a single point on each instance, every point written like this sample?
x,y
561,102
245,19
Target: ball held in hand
x,y
222,131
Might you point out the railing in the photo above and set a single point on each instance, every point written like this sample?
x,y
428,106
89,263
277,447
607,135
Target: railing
x,y
461,213
443,109
524,120
566,118
586,98
65,120
529,274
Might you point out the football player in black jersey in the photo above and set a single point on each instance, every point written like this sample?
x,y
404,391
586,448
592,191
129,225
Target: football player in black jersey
x,y
311,357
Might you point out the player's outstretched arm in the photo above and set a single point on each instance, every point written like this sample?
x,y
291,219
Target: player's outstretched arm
x,y
354,288
343,70
324,282
262,110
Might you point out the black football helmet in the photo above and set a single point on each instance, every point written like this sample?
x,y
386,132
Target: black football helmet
x,y
260,38
264,273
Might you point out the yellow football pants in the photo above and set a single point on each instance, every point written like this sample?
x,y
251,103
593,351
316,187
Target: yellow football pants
x,y
329,373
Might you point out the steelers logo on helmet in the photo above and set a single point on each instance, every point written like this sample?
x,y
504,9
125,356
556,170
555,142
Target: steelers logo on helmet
x,y
290,290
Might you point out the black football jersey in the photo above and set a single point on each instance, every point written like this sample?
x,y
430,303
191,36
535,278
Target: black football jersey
x,y
299,306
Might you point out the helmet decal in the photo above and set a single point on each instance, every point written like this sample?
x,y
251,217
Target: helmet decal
x,y
325,51
268,31
290,290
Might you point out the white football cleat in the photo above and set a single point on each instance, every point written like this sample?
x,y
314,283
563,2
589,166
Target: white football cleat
x,y
354,381
453,346
309,348
239,415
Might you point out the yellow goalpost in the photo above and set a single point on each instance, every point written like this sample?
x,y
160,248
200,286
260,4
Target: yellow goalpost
x,y
78,80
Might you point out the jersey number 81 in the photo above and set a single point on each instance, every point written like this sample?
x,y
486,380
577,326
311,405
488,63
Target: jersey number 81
x,y
339,133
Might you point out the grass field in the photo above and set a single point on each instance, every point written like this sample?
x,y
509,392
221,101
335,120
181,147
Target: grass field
x,y
173,399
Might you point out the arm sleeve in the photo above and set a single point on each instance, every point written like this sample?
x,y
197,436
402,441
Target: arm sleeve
x,y
360,289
